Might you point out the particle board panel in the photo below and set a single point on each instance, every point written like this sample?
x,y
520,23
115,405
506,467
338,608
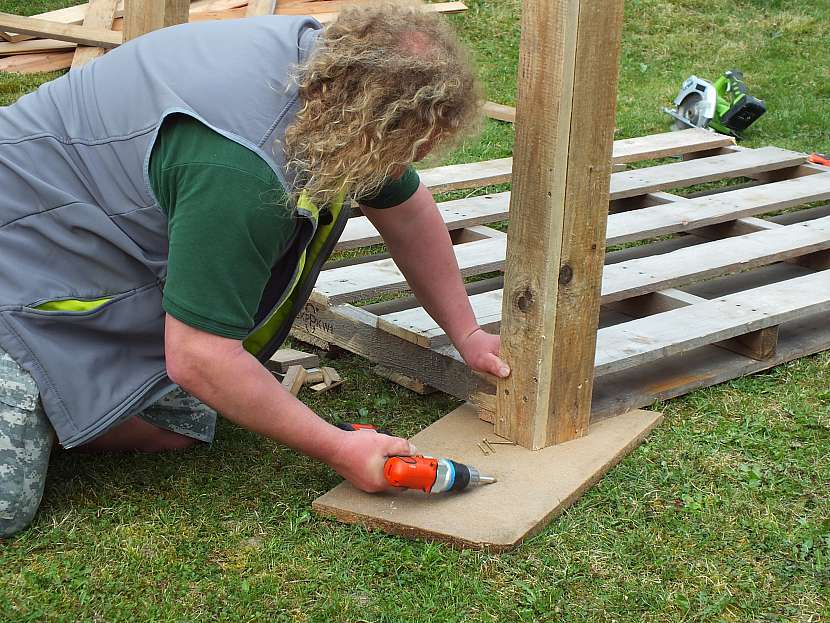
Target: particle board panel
x,y
533,486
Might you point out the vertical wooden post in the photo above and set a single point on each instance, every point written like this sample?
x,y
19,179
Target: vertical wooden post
x,y
99,14
568,67
142,16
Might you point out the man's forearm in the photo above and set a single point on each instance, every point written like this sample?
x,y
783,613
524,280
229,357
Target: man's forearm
x,y
243,391
417,238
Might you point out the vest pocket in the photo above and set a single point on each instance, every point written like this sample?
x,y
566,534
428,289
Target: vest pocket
x,y
75,306
93,366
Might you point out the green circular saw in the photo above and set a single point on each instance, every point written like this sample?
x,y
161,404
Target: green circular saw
x,y
723,106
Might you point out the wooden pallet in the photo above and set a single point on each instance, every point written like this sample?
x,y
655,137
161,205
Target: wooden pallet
x,y
726,294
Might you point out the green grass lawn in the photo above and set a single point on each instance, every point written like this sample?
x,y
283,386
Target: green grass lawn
x,y
722,515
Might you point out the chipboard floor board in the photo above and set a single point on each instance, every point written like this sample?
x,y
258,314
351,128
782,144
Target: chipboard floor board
x,y
533,487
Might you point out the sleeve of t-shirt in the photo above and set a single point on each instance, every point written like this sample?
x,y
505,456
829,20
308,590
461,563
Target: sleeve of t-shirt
x,y
394,192
227,229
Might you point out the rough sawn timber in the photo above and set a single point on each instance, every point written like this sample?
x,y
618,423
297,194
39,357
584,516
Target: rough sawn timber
x,y
65,32
100,14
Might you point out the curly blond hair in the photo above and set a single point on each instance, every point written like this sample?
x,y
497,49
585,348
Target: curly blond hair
x,y
386,83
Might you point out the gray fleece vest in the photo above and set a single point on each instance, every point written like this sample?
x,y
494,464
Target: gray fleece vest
x,y
79,220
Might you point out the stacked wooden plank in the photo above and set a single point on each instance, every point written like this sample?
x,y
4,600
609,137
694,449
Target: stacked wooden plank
x,y
726,294
48,41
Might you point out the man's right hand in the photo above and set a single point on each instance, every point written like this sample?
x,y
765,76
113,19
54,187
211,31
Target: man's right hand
x,y
362,455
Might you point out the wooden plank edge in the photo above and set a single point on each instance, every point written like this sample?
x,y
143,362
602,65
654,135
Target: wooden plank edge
x,y
706,366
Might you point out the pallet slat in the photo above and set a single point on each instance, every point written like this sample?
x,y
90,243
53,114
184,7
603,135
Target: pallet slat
x,y
702,170
641,276
363,281
686,214
359,232
647,339
634,225
488,172
718,257
64,32
681,215
623,280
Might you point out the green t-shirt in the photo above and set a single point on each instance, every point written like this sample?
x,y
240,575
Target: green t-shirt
x,y
229,224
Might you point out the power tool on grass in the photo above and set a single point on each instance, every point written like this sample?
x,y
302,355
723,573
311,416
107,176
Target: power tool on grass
x,y
724,105
425,473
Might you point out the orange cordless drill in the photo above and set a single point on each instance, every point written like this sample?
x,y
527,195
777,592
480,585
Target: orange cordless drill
x,y
425,473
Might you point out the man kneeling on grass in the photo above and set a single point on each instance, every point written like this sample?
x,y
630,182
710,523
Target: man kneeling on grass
x,y
166,211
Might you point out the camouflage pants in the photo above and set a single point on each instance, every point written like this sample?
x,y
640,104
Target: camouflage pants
x,y
26,439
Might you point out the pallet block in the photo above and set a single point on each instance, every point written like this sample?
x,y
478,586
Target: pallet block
x,y
533,486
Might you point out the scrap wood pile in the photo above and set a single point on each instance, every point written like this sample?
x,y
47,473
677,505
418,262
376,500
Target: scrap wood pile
x,y
296,369
75,35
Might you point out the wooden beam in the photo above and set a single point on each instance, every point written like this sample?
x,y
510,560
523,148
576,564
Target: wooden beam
x,y
143,16
100,14
261,7
102,37
568,68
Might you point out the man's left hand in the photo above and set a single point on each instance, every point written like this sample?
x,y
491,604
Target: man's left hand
x,y
481,352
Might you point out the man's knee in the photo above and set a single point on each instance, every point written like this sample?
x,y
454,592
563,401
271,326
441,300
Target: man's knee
x,y
17,514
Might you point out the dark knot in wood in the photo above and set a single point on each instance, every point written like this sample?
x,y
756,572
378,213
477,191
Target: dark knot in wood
x,y
566,274
524,299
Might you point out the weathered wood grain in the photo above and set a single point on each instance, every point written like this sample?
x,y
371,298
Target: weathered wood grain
x,y
100,14
640,341
102,37
143,16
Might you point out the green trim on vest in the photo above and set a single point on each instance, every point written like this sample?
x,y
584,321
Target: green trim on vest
x,y
282,313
